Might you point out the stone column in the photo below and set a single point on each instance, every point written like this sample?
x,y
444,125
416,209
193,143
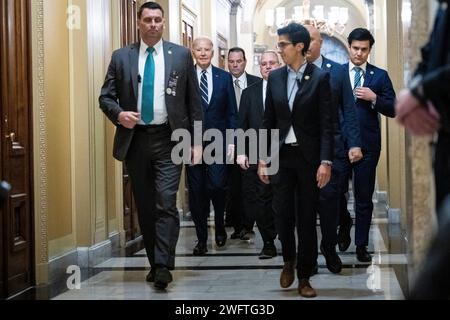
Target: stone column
x,y
421,214
233,22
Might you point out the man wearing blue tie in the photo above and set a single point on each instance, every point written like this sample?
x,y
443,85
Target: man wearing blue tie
x,y
151,90
207,182
374,95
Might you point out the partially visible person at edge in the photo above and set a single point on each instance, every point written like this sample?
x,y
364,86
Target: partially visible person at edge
x,y
424,109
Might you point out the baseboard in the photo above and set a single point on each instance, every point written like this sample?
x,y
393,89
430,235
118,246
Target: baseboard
x,y
83,257
394,215
382,196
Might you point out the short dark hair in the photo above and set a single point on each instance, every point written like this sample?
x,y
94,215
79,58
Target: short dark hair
x,y
296,34
237,49
361,34
150,5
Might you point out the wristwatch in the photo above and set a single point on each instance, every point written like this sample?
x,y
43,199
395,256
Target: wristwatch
x,y
327,163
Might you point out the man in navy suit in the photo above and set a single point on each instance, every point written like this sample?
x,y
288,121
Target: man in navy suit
x,y
374,95
347,147
207,182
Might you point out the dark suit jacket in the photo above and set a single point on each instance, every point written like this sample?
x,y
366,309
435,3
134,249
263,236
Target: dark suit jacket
x,y
120,91
346,126
311,116
435,66
251,79
369,117
221,112
251,109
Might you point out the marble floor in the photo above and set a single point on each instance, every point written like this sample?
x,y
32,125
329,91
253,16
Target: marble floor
x,y
235,272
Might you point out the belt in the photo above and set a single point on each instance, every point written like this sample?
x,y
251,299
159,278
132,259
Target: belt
x,y
151,127
295,144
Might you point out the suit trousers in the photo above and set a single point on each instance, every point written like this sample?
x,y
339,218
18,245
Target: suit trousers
x,y
442,168
155,180
296,182
329,203
207,183
364,178
237,215
258,202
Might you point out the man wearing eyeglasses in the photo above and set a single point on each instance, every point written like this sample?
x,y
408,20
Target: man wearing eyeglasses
x,y
298,105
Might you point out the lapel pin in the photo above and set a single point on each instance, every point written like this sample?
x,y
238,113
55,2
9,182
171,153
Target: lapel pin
x,y
328,65
372,73
307,78
169,52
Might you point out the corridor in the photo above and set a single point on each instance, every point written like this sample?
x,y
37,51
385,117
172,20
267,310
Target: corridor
x,y
236,273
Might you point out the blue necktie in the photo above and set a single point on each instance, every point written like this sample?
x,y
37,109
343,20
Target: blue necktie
x,y
148,86
204,90
358,78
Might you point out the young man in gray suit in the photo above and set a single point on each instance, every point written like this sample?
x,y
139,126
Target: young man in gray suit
x,y
150,90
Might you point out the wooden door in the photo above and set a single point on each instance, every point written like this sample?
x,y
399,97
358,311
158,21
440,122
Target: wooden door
x,y
130,35
16,149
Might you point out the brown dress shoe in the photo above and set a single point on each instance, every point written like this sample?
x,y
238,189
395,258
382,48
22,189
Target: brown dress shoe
x,y
287,275
305,289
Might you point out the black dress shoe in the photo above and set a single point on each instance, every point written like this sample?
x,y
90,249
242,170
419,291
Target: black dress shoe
x,y
269,251
334,263
221,239
150,276
344,239
162,278
362,255
200,249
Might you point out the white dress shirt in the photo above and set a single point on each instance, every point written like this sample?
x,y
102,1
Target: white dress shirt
x,y
242,81
352,74
292,92
264,93
159,96
209,77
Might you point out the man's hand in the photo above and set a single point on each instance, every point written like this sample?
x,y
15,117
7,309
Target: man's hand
x,y
196,155
365,94
416,117
230,152
355,155
323,175
262,172
242,161
129,119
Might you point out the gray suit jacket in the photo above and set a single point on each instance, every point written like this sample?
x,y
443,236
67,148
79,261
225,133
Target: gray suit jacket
x,y
120,91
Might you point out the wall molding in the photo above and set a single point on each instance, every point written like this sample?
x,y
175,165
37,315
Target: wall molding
x,y
40,142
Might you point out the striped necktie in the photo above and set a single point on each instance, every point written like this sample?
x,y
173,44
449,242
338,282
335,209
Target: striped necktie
x,y
237,92
204,89
358,79
148,88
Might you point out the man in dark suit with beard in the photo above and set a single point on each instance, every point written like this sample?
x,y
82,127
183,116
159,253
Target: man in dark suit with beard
x,y
150,90
298,104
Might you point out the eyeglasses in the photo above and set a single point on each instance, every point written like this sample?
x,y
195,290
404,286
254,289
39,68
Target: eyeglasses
x,y
282,45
